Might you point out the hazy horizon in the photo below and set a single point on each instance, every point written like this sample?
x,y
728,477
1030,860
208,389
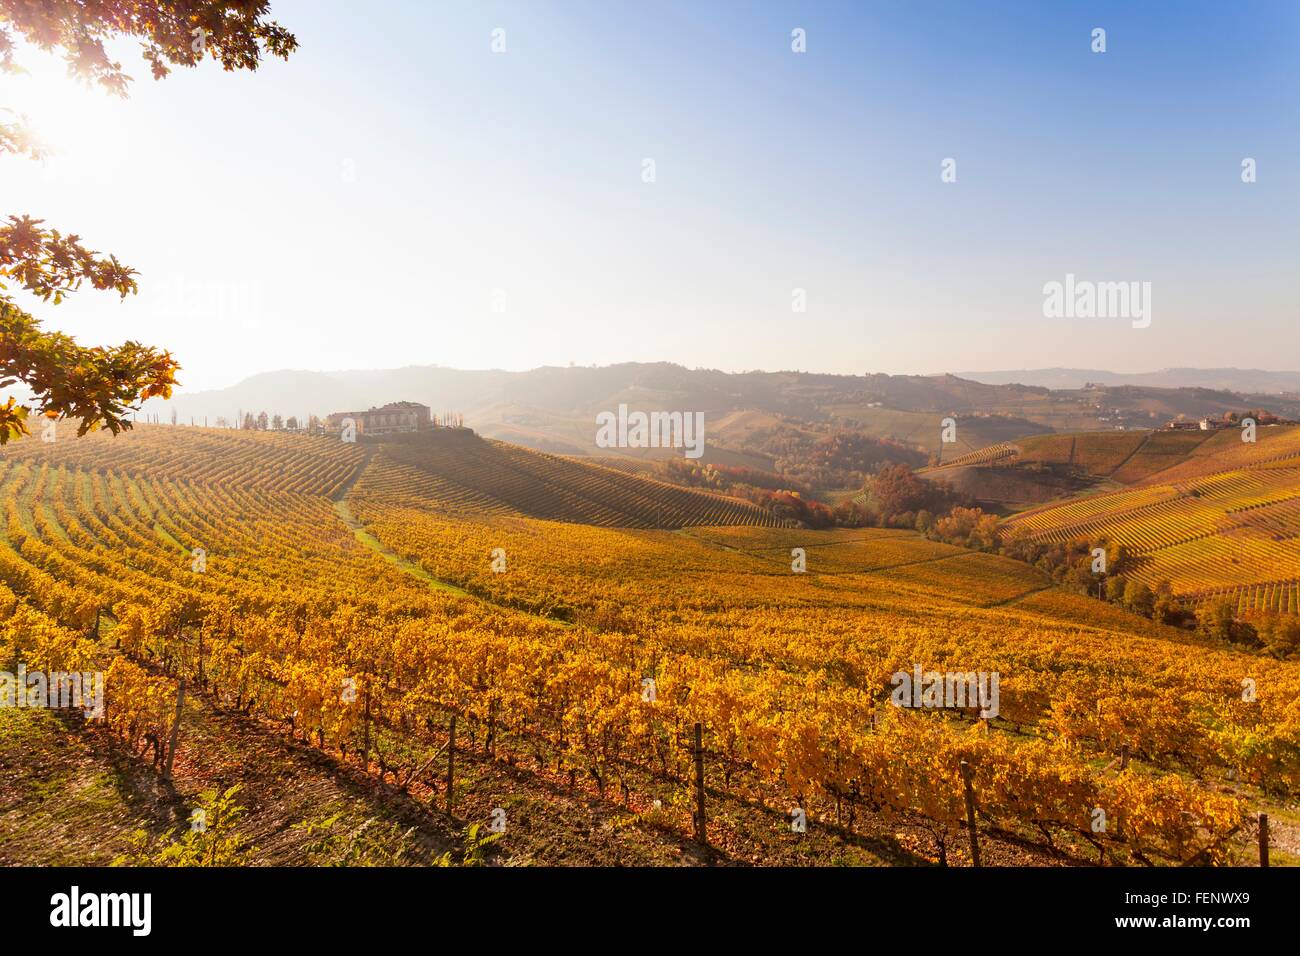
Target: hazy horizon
x,y
728,371
405,196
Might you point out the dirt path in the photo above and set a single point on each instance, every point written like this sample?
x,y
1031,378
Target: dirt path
x,y
392,557
344,511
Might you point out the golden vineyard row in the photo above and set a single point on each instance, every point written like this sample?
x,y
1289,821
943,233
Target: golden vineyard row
x,y
789,673
1212,533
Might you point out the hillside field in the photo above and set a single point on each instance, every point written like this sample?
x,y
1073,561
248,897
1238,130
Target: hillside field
x,y
1208,513
337,609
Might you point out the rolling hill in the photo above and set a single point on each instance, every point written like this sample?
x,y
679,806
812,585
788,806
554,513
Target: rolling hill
x,y
1044,468
354,618
1206,512
1251,381
554,409
455,470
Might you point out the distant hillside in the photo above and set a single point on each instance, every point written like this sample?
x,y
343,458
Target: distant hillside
x,y
1217,517
1245,381
749,417
1046,468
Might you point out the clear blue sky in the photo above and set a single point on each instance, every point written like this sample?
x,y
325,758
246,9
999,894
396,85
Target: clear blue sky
x,y
358,205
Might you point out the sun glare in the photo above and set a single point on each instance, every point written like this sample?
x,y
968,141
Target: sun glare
x,y
65,115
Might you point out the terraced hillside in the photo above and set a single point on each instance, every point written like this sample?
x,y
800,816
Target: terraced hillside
x,y
447,469
1214,517
458,471
271,460
362,644
1041,468
999,451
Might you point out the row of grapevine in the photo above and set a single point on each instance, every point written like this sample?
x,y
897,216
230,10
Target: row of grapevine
x,y
291,618
561,489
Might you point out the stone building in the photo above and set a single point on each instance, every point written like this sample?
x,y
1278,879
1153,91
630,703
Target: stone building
x,y
385,420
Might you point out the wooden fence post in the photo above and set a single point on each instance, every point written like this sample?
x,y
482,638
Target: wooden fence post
x,y
1123,757
701,833
451,762
176,730
365,739
1263,839
966,775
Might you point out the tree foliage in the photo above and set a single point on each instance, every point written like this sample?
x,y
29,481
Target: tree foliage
x,y
98,386
897,495
93,384
236,33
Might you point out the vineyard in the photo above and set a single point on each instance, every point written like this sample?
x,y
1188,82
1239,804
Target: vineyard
x,y
983,456
1223,520
576,623
455,470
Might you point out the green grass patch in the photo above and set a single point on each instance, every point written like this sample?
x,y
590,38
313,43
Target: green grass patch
x,y
392,557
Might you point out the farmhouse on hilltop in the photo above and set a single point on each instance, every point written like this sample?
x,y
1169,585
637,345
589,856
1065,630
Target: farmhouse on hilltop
x,y
387,420
1204,425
